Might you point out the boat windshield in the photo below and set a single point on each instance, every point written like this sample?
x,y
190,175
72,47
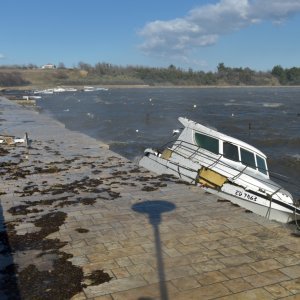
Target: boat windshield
x,y
206,142
231,151
248,158
261,164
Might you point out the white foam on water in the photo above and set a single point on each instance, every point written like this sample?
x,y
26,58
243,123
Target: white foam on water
x,y
273,105
297,156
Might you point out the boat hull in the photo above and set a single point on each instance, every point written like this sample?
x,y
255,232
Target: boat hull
x,y
272,210
160,166
255,204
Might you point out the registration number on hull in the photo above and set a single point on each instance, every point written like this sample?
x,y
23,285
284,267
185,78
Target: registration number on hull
x,y
245,195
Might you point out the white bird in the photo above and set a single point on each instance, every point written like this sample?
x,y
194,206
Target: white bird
x,y
195,105
90,115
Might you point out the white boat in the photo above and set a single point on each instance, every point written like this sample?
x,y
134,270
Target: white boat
x,y
31,97
70,89
59,89
46,91
225,166
93,89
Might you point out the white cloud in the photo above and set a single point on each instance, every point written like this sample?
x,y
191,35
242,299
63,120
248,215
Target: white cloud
x,y
1,56
275,10
203,25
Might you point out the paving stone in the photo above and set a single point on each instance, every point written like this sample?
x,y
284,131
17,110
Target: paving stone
x,y
239,271
205,292
186,283
139,269
288,260
190,249
176,261
169,274
253,294
153,291
293,246
123,261
120,272
172,252
265,265
294,297
112,245
212,245
230,241
266,278
236,260
234,250
237,285
106,297
277,291
292,285
292,271
207,266
143,258
211,277
114,286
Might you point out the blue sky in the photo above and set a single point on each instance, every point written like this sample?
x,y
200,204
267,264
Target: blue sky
x,y
188,33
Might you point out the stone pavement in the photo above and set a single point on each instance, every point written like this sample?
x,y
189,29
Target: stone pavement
x,y
71,207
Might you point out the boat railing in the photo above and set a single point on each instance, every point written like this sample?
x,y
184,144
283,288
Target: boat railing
x,y
239,174
192,151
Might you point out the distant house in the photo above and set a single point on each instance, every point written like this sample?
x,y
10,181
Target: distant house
x,y
49,66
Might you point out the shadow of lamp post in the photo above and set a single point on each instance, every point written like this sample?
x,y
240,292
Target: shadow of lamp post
x,y
154,210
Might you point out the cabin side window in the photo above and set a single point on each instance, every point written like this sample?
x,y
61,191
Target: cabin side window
x,y
207,142
261,165
230,151
247,158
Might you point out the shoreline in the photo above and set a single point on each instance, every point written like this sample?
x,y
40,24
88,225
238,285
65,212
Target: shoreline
x,y
79,221
119,86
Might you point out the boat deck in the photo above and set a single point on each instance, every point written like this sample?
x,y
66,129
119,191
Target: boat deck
x,y
70,208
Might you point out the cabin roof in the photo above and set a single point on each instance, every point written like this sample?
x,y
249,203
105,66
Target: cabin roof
x,y
214,133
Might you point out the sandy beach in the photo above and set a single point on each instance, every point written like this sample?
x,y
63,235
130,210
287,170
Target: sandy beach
x,y
79,221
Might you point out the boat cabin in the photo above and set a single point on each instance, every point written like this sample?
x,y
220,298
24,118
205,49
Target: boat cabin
x,y
221,147
232,151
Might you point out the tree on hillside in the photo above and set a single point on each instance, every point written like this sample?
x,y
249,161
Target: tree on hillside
x,y
279,73
293,76
61,65
12,79
85,66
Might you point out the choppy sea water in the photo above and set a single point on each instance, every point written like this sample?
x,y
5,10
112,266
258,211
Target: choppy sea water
x,y
132,119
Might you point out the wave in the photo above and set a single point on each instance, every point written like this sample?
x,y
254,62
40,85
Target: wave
x,y
272,105
289,167
296,156
273,142
232,104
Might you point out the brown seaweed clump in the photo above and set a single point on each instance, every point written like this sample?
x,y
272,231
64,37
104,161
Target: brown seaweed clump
x,y
61,280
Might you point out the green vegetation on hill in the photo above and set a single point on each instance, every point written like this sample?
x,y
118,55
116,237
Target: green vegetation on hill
x,y
107,74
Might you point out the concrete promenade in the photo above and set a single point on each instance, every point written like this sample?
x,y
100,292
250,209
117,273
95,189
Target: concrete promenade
x,y
78,221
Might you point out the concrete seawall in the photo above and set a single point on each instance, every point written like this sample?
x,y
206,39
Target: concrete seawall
x,y
79,221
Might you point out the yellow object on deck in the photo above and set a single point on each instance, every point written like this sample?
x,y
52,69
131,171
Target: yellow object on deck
x,y
211,178
166,154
